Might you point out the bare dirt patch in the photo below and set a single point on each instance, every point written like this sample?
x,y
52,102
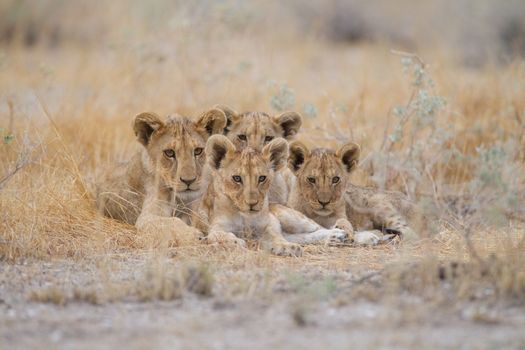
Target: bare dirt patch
x,y
202,297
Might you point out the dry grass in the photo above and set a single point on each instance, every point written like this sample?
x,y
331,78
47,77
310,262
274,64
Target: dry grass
x,y
157,279
69,111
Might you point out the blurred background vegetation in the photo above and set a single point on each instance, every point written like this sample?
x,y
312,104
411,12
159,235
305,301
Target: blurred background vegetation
x,y
476,30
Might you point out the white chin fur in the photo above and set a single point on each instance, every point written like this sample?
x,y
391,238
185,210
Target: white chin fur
x,y
323,212
249,214
188,196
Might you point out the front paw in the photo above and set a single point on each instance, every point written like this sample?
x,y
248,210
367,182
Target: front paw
x,y
408,234
286,249
338,236
194,233
366,238
225,238
344,225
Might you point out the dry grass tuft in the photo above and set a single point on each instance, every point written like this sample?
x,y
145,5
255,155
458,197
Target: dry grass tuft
x,y
49,295
163,281
154,279
89,295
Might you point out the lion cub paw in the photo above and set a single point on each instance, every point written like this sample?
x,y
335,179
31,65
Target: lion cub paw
x,y
337,236
190,236
409,234
286,249
226,238
346,226
367,238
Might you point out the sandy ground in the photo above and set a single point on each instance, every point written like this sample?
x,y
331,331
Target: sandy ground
x,y
292,307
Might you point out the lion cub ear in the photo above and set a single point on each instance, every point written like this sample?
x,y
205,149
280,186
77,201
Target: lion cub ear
x,y
349,155
212,121
298,154
231,115
290,122
145,124
217,148
276,152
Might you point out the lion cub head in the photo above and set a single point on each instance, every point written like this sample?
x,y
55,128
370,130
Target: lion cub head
x,y
257,129
322,174
244,176
175,148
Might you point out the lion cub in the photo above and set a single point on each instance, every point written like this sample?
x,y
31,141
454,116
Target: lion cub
x,y
257,129
323,192
155,189
236,203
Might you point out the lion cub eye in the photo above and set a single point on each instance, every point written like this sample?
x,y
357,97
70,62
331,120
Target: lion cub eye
x,y
311,180
262,179
237,179
335,179
242,137
169,153
197,151
268,138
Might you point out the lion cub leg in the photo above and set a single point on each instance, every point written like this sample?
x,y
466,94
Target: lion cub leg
x,y
386,218
292,221
298,228
166,230
157,224
224,237
273,241
221,232
371,237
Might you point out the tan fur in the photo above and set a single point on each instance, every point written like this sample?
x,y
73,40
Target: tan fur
x,y
154,191
255,130
323,192
387,211
236,204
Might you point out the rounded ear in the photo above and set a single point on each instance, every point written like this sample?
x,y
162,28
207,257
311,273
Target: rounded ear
x,y
290,122
349,155
276,152
145,124
231,115
297,157
217,147
212,121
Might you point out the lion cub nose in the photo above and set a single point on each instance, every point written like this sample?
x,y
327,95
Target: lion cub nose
x,y
323,203
188,182
252,204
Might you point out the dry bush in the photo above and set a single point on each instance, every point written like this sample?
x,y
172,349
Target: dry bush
x,y
485,270
46,211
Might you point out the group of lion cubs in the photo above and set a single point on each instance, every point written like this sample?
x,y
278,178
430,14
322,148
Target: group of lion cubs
x,y
228,176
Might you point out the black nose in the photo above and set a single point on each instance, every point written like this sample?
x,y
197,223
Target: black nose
x,y
253,205
188,182
323,203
